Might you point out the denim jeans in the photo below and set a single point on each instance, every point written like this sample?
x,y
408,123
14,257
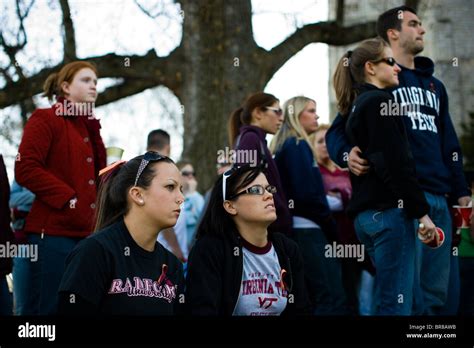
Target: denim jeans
x,y
323,275
389,237
366,293
451,306
466,306
21,290
6,299
47,271
433,265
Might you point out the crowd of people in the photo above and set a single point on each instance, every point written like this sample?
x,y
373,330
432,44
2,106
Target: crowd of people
x,y
351,218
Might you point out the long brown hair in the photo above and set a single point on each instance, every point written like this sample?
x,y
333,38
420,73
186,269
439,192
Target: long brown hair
x,y
350,71
243,115
112,202
52,85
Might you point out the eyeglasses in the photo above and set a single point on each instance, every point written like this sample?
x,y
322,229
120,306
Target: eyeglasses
x,y
256,190
389,60
186,173
150,156
277,111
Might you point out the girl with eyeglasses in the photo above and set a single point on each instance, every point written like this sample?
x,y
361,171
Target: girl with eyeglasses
x,y
313,225
248,126
237,267
59,158
121,269
387,201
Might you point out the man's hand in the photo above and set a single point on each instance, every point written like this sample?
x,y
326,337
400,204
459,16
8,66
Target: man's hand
x,y
357,165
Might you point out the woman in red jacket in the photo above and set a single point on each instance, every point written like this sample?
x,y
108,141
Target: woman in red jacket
x,y
59,158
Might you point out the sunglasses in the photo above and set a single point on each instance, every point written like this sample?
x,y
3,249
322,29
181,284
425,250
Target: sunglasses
x,y
389,60
277,111
186,173
150,156
256,190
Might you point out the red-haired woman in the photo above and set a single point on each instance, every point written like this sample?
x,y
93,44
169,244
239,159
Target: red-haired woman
x,y
59,158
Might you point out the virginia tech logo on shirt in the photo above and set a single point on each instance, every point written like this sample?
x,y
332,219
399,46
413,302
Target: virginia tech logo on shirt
x,y
162,288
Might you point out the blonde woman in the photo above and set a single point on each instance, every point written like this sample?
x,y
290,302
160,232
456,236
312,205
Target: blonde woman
x,y
313,225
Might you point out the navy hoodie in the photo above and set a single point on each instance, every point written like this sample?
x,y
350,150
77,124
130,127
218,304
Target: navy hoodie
x,y
431,135
383,141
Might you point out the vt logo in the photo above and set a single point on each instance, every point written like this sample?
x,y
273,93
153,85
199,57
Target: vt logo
x,y
268,300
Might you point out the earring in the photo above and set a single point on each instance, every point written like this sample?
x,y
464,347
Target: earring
x,y
141,202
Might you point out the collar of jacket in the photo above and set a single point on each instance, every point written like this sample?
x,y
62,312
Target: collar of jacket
x,y
65,108
250,128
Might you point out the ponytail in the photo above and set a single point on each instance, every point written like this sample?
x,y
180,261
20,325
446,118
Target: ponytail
x,y
50,87
350,71
243,115
344,84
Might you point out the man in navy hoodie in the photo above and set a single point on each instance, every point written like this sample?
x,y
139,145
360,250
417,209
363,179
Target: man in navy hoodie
x,y
423,100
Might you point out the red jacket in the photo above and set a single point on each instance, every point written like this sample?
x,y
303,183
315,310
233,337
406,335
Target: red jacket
x,y
57,162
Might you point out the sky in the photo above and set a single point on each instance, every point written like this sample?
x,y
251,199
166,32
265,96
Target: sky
x,y
119,26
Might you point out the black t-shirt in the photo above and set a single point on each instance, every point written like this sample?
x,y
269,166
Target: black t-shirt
x,y
110,273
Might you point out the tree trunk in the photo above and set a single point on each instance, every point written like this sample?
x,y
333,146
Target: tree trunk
x,y
220,71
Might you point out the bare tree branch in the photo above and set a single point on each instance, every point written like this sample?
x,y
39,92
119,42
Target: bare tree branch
x,y
150,69
325,32
340,12
69,38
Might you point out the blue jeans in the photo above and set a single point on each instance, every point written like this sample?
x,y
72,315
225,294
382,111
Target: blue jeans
x,y
21,290
466,265
323,275
47,271
389,237
366,291
451,306
433,265
6,300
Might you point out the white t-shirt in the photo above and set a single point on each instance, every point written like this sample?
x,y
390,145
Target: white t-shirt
x,y
261,292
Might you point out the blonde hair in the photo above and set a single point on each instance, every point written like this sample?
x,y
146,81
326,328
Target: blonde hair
x,y
52,85
291,126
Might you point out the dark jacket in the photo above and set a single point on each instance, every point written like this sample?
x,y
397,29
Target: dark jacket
x,y
215,274
430,131
253,138
58,159
6,234
391,181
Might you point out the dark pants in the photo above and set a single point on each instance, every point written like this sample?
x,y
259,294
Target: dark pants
x,y
466,306
6,299
47,271
322,274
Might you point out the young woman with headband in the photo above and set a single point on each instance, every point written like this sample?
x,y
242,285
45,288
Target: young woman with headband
x,y
121,269
237,267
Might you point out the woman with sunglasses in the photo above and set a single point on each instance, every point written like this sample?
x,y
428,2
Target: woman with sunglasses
x,y
313,225
121,269
387,201
236,266
59,158
258,116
